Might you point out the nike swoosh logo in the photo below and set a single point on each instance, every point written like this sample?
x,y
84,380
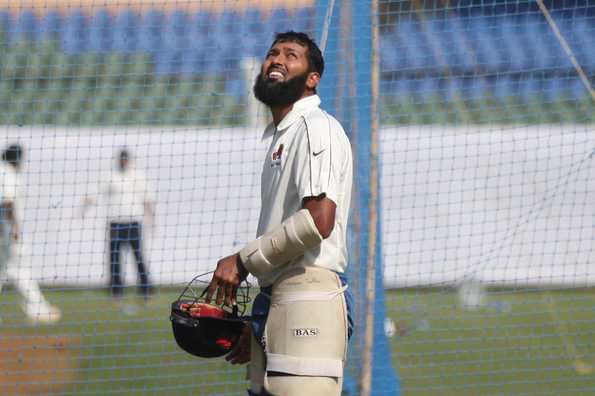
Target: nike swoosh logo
x,y
318,153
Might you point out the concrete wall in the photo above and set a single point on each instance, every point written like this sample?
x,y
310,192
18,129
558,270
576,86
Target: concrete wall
x,y
508,206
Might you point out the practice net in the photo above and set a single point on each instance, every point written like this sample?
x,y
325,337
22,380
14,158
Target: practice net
x,y
472,242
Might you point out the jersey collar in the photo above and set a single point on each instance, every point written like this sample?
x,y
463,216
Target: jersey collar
x,y
300,108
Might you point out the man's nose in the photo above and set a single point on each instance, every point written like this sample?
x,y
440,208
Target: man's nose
x,y
277,59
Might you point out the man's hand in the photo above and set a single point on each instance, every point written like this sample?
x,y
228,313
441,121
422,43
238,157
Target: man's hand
x,y
15,233
240,354
227,277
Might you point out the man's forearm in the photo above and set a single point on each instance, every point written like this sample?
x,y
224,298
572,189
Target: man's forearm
x,y
289,240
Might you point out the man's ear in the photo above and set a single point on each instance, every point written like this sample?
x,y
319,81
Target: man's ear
x,y
313,80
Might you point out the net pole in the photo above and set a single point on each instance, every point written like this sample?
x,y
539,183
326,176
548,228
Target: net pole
x,y
366,378
326,25
566,48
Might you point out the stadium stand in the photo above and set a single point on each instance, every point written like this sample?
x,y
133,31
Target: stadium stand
x,y
114,67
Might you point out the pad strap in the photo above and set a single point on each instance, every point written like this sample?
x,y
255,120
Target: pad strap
x,y
289,297
317,367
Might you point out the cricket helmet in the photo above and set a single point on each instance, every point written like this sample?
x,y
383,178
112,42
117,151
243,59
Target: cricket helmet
x,y
205,329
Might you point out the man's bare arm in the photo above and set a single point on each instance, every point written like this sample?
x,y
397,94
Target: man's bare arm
x,y
322,210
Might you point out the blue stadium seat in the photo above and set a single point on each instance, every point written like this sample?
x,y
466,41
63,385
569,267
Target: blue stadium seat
x,y
229,22
577,89
516,55
50,26
557,88
254,43
252,20
455,89
477,88
215,38
235,87
303,20
529,87
175,31
277,22
74,39
502,87
584,31
446,41
484,40
5,23
126,29
200,30
25,27
463,56
150,37
391,58
427,89
200,60
401,88
100,32
169,61
227,31
544,49
413,46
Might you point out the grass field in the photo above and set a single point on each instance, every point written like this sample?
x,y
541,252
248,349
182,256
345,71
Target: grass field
x,y
520,343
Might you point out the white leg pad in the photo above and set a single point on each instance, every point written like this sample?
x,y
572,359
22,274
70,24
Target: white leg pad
x,y
306,331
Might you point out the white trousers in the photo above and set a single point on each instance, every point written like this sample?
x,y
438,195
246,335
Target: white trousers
x,y
15,268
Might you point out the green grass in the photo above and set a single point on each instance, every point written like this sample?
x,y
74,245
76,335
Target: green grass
x,y
122,354
521,343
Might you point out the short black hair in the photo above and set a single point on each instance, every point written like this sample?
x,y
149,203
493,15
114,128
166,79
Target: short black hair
x,y
13,154
315,59
124,155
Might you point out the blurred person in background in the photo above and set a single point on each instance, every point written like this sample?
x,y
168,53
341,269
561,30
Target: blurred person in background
x,y
13,252
129,205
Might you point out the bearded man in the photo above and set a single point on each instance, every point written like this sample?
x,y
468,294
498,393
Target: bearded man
x,y
296,342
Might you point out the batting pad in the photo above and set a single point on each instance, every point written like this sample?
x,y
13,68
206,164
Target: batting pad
x,y
306,331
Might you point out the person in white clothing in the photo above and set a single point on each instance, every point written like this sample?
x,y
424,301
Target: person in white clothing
x,y
296,342
14,253
129,203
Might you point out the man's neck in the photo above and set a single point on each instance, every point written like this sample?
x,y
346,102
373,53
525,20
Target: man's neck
x,y
280,112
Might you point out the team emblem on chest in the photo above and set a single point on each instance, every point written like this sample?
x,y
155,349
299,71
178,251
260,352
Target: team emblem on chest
x,y
276,156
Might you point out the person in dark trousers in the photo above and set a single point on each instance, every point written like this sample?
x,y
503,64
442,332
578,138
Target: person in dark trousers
x,y
129,203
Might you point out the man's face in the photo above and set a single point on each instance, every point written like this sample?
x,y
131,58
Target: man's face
x,y
284,77
123,163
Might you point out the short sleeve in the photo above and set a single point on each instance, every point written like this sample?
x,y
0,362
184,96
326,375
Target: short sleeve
x,y
144,187
9,187
318,161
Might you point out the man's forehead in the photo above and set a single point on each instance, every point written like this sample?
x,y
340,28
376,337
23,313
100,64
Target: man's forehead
x,y
293,45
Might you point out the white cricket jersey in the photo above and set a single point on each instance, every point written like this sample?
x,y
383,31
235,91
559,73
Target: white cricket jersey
x,y
126,194
309,155
11,189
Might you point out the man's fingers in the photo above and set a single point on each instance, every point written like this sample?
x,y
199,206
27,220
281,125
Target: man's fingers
x,y
211,290
230,294
220,295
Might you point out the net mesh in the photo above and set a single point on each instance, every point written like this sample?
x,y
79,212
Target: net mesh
x,y
485,147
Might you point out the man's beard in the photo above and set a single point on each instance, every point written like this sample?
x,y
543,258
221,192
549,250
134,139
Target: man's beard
x,y
280,94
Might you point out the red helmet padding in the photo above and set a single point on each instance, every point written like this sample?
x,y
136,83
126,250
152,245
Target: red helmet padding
x,y
205,332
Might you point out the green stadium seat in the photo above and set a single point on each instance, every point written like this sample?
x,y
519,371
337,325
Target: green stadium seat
x,y
115,73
